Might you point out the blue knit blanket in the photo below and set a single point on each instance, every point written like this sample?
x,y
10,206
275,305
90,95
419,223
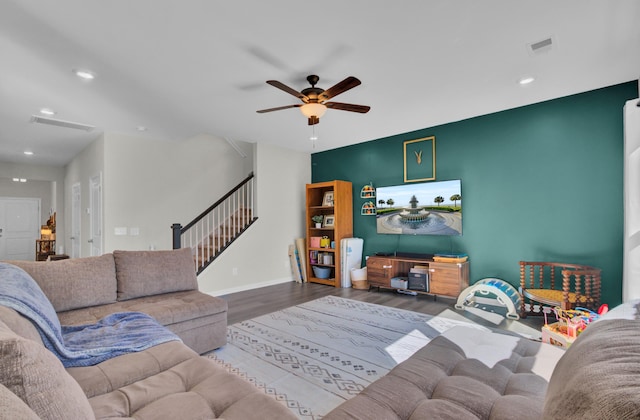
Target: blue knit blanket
x,y
81,345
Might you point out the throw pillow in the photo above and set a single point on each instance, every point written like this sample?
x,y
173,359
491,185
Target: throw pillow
x,y
74,283
147,273
38,378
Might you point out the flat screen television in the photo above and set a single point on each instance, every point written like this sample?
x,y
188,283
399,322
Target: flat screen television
x,y
426,208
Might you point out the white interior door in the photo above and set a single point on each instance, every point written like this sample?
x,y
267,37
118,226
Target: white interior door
x,y
95,214
19,228
76,220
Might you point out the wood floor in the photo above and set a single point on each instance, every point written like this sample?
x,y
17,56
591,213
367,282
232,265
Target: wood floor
x,y
252,303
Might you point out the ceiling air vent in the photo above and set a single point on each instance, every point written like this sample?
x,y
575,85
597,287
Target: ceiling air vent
x,y
61,123
540,47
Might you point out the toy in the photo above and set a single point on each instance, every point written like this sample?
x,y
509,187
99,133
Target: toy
x,y
571,322
505,294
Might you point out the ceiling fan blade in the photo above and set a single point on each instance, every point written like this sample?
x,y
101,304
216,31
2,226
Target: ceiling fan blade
x,y
348,83
363,109
262,111
289,90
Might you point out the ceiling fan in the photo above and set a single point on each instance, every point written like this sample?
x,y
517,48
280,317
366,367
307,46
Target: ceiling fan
x,y
314,98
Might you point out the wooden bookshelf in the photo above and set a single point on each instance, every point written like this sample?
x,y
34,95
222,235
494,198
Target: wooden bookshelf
x,y
338,224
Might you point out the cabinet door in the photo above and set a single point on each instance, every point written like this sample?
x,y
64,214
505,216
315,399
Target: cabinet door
x,y
445,279
379,271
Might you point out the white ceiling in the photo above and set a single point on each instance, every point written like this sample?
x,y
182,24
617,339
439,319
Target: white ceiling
x,y
182,68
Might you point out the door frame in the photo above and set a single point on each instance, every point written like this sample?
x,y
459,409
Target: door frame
x,y
95,215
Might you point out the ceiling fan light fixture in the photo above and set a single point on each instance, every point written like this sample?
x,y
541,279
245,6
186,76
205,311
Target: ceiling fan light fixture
x,y
313,110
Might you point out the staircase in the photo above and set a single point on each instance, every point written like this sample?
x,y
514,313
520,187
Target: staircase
x,y
215,229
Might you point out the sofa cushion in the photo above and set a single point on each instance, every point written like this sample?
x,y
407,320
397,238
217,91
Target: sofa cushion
x,y
127,369
38,378
200,320
167,309
146,273
74,283
13,407
597,378
171,381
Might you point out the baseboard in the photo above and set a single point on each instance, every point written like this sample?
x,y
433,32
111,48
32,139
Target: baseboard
x,y
249,287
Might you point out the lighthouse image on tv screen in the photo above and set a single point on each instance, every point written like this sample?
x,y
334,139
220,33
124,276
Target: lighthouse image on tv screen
x,y
428,208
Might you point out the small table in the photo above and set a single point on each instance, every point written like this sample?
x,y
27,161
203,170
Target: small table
x,y
45,248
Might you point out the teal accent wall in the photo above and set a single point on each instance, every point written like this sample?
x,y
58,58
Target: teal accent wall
x,y
542,182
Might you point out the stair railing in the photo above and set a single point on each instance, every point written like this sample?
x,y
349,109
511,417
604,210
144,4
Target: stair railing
x,y
209,234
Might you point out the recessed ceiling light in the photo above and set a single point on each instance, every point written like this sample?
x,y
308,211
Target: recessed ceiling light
x,y
47,111
28,152
84,74
526,80
141,128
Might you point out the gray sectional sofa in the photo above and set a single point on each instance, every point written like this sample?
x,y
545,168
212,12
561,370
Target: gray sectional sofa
x,y
167,381
465,373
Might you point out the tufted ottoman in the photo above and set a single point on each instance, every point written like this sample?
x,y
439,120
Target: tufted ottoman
x,y
465,373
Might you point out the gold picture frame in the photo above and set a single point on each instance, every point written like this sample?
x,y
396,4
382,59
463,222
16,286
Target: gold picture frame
x,y
327,200
329,221
420,159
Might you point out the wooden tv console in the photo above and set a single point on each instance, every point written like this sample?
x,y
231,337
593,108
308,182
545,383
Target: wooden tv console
x,y
445,279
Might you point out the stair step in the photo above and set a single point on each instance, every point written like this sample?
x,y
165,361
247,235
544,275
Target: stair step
x,y
224,234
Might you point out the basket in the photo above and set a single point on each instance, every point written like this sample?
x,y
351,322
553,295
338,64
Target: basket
x,y
359,278
321,272
360,284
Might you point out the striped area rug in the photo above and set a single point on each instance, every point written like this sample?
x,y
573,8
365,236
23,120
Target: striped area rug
x,y
316,355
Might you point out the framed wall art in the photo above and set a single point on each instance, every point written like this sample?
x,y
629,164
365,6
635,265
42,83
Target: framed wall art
x,y
329,221
420,159
327,200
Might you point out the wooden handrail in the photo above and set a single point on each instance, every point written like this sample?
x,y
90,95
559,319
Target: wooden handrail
x,y
213,230
217,203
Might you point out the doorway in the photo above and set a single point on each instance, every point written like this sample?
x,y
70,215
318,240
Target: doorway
x,y
19,228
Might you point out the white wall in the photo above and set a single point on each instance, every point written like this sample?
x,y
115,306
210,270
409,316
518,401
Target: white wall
x,y
150,184
260,255
88,163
